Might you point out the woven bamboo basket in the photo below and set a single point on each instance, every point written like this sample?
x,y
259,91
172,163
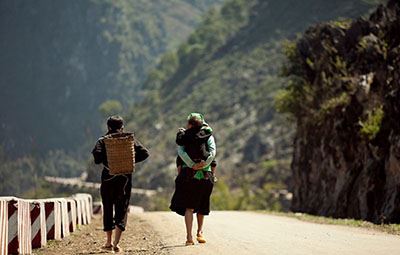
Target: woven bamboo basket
x,y
120,150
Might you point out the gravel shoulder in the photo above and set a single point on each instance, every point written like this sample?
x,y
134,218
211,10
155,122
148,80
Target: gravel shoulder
x,y
139,238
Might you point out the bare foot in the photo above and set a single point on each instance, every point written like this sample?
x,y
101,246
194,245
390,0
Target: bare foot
x,y
107,247
189,242
117,248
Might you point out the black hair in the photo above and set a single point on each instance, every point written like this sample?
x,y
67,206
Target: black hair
x,y
115,122
195,122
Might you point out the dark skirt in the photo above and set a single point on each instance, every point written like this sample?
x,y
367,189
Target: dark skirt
x,y
191,193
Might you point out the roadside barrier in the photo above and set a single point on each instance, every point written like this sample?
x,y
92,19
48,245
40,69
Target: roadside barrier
x,y
15,227
53,219
64,217
86,207
3,227
38,223
72,216
81,210
27,224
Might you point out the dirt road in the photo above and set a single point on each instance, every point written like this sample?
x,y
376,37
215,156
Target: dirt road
x,y
255,233
232,233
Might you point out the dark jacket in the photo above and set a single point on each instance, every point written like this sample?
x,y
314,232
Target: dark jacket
x,y
195,142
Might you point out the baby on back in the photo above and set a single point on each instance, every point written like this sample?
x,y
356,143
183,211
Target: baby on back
x,y
194,140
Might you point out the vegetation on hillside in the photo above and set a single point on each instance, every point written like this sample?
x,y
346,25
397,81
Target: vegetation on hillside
x,y
144,30
344,96
24,176
62,59
229,69
61,73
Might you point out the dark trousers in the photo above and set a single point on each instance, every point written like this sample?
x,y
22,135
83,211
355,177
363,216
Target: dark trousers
x,y
115,195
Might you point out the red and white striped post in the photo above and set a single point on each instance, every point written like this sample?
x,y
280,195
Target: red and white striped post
x,y
71,214
27,224
12,237
24,227
38,223
15,226
3,227
64,216
78,211
84,208
43,226
87,207
53,219
90,198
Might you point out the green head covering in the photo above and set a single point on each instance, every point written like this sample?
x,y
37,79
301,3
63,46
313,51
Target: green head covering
x,y
196,119
197,116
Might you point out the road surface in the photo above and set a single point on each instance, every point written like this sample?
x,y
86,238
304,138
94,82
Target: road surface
x,y
240,233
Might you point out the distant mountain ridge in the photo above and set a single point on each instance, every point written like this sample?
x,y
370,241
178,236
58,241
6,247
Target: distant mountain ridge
x,y
62,59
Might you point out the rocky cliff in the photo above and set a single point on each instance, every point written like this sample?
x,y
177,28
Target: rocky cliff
x,y
345,97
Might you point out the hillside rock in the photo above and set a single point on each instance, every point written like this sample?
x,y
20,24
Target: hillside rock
x,y
346,80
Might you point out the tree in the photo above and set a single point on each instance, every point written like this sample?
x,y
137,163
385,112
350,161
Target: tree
x,y
110,107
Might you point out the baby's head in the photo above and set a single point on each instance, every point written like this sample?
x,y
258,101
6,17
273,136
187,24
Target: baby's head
x,y
195,120
115,124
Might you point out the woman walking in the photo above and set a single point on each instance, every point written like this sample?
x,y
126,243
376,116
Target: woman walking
x,y
194,183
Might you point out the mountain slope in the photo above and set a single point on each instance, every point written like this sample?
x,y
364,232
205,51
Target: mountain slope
x,y
228,70
62,59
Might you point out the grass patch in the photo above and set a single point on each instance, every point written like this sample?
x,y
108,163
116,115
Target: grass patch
x,y
386,228
371,126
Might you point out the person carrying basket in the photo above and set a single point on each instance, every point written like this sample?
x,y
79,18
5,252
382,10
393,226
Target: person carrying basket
x,y
118,152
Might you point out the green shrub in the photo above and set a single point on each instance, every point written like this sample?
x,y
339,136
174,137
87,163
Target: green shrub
x,y
330,104
284,100
222,197
110,107
269,164
371,126
341,23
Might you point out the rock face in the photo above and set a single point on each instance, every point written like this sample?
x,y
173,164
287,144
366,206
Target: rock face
x,y
345,96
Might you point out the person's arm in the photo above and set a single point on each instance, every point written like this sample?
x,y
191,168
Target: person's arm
x,y
141,153
212,149
99,152
185,157
181,137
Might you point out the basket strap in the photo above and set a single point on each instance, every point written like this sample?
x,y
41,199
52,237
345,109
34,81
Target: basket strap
x,y
114,175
